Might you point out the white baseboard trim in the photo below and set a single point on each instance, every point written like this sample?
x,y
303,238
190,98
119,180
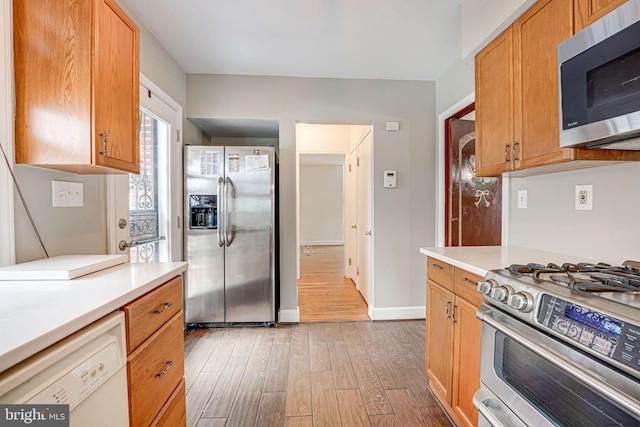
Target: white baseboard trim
x,y
289,316
323,243
397,313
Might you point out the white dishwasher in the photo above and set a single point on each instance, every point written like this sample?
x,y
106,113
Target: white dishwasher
x,y
86,370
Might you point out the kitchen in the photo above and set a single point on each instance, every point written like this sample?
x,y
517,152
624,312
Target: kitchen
x,y
559,228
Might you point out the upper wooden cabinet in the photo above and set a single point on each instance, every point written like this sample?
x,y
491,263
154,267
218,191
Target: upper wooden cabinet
x,y
589,11
494,106
517,109
77,76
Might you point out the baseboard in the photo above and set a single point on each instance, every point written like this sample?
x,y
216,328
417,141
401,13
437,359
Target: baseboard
x,y
289,316
323,243
397,313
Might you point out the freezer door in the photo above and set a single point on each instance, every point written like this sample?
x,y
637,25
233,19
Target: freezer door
x,y
249,234
204,280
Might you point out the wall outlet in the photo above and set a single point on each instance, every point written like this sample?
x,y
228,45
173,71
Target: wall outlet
x,y
522,199
584,197
66,194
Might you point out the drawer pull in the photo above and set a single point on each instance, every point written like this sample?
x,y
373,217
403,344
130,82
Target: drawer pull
x,y
166,368
163,308
469,281
439,267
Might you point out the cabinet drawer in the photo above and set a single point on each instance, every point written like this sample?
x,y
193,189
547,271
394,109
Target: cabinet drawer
x,y
465,286
174,412
155,369
440,272
146,314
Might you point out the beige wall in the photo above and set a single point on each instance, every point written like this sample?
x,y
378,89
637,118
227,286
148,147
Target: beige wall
x,y
403,217
321,204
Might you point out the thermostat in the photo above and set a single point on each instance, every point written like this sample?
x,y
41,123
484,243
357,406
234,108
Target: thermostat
x,y
390,179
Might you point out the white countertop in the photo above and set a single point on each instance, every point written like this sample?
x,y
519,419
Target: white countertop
x,y
36,314
480,259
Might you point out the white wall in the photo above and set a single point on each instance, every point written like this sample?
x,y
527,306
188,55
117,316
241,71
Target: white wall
x,y
403,217
483,20
321,204
608,233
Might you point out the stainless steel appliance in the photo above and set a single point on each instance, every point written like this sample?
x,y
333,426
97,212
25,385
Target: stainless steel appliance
x,y
560,346
599,80
229,234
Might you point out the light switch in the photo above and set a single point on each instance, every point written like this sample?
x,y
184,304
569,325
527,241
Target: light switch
x,y
522,199
65,194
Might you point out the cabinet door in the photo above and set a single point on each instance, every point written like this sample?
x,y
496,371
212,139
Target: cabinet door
x,y
466,361
536,35
116,78
494,106
589,11
440,340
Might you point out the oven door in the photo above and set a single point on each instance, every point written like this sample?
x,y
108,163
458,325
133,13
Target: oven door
x,y
545,382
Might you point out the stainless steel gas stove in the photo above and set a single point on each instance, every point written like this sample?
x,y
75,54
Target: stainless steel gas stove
x,y
560,345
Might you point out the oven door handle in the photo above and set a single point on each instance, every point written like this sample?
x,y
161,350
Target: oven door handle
x,y
518,332
494,411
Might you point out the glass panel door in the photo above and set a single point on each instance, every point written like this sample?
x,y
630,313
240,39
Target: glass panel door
x,y
147,193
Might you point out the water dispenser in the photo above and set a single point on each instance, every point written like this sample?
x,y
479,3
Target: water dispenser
x,y
203,211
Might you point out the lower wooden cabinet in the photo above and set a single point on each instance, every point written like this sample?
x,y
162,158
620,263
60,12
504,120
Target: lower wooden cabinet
x,y
155,360
453,344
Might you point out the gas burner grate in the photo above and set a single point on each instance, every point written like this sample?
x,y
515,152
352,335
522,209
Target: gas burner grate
x,y
586,277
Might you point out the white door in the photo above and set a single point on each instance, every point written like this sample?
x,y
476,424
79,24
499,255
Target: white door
x,y
365,224
350,232
146,209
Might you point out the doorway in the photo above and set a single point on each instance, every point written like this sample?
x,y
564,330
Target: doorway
x,y
145,209
334,279
473,209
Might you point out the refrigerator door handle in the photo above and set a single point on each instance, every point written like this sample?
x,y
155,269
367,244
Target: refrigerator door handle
x,y
228,207
220,223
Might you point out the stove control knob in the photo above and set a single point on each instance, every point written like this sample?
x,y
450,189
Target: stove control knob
x,y
501,293
485,286
521,301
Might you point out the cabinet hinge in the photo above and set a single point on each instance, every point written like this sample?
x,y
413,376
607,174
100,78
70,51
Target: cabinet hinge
x,y
349,167
178,134
349,261
178,221
357,271
358,164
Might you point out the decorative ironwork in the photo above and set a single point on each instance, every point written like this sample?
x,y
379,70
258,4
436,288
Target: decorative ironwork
x,y
143,194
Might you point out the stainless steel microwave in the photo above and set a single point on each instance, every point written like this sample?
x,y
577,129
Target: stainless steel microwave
x,y
599,83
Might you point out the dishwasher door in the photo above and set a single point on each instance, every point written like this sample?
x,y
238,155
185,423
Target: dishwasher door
x,y
86,371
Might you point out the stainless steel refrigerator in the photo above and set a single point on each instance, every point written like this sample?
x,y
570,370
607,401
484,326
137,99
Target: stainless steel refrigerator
x,y
229,234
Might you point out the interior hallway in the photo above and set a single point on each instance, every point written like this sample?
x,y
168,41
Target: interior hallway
x,y
324,294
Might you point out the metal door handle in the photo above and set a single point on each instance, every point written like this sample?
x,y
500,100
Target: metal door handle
x,y
367,233
228,185
453,314
446,313
515,150
469,281
353,226
220,217
439,267
506,153
123,244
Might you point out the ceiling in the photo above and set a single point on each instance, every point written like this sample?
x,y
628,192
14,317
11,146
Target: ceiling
x,y
242,128
373,39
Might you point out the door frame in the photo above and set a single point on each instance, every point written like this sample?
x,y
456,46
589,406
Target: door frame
x,y
175,182
441,189
7,242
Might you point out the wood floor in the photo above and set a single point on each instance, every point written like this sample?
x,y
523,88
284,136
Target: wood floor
x,y
323,292
311,375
